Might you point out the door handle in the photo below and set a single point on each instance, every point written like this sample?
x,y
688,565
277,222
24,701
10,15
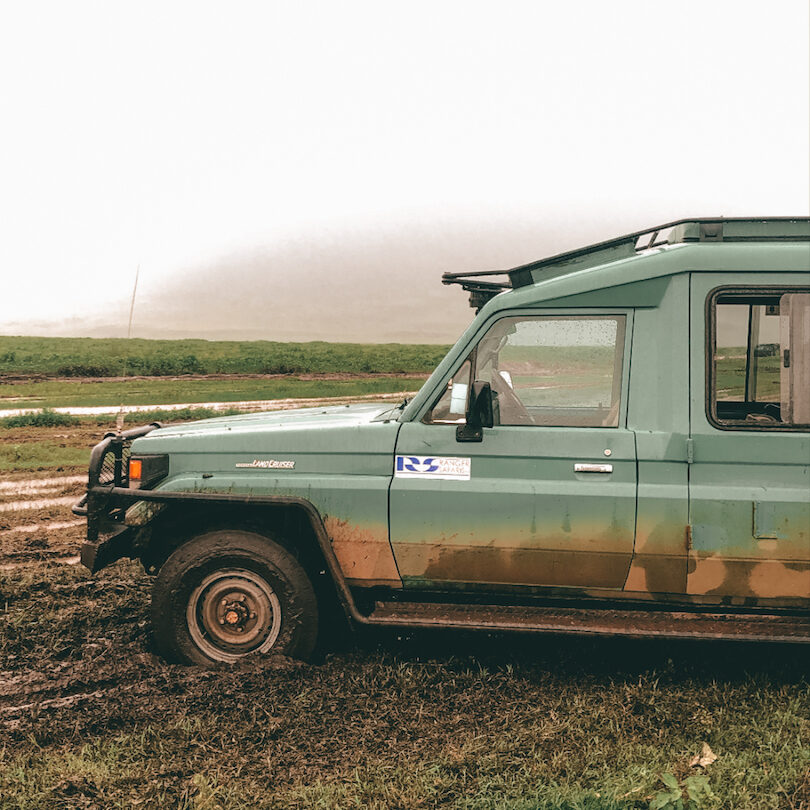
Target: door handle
x,y
593,468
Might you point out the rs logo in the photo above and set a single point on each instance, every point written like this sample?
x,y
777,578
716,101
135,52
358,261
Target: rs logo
x,y
416,464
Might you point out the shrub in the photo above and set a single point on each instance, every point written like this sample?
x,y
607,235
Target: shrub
x,y
44,418
85,370
178,415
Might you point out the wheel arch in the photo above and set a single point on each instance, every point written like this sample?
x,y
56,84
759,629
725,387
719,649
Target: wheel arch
x,y
292,522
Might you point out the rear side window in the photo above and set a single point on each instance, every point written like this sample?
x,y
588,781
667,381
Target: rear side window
x,y
759,358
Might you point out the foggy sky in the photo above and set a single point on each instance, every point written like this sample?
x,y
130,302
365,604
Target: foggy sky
x,y
308,170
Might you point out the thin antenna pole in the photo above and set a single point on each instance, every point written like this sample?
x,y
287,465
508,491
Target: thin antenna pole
x,y
119,420
132,303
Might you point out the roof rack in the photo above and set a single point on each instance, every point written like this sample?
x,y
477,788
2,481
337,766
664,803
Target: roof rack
x,y
710,229
480,291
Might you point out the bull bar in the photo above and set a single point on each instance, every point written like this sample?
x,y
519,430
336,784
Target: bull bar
x,y
107,475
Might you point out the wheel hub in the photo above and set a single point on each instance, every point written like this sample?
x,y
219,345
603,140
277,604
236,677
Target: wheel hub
x,y
232,613
235,615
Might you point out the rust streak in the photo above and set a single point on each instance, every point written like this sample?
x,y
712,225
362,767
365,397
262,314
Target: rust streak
x,y
363,552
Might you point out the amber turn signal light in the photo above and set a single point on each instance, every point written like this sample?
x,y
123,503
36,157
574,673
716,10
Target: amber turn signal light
x,y
145,470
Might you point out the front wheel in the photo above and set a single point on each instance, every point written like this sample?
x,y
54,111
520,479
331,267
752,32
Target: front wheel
x,y
227,594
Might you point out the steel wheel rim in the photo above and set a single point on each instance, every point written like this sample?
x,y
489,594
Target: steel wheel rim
x,y
233,613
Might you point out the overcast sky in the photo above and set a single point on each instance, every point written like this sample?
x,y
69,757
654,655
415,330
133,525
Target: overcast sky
x,y
309,169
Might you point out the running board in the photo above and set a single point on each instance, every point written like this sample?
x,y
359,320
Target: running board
x,y
595,621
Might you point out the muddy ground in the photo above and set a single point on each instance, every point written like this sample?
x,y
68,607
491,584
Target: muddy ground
x,y
91,717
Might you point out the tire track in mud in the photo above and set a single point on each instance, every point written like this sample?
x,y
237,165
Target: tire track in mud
x,y
21,700
120,680
20,495
62,685
37,485
40,503
36,530
32,527
36,534
33,493
24,559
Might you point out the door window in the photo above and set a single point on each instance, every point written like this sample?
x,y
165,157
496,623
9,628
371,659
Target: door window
x,y
562,371
759,363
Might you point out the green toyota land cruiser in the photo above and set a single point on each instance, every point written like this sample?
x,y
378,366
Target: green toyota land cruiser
x,y
618,444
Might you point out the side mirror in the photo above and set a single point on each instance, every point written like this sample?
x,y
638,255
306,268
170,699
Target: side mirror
x,y
479,414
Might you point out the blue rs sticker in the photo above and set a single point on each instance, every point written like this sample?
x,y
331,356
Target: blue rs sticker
x,y
445,468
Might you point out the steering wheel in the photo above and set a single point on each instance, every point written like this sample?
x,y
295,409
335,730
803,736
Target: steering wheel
x,y
513,411
773,410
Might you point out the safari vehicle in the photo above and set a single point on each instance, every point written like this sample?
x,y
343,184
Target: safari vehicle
x,y
618,444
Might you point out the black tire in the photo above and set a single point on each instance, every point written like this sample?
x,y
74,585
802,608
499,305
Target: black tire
x,y
227,594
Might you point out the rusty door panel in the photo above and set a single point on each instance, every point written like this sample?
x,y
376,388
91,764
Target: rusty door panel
x,y
662,534
363,551
503,565
525,516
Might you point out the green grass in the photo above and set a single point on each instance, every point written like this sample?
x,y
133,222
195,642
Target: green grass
x,y
450,720
28,445
730,376
160,415
43,418
47,418
93,357
41,455
66,393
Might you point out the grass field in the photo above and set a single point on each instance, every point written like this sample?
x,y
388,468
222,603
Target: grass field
x,y
113,357
64,448
156,391
90,717
730,371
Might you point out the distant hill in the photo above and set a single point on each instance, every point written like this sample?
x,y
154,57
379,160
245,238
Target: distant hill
x,y
359,286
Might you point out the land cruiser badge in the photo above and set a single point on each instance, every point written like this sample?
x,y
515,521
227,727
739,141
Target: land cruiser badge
x,y
267,464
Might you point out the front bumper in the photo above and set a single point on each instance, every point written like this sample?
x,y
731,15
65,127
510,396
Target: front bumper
x,y
101,553
104,504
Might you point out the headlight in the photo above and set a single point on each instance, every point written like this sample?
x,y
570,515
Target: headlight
x,y
147,470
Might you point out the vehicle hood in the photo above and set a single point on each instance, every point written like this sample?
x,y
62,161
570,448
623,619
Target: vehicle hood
x,y
353,439
324,418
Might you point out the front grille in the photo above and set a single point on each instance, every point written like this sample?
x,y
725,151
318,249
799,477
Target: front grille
x,y
115,465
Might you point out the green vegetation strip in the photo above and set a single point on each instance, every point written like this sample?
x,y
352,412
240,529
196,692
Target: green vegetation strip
x,y
434,720
67,393
93,357
47,454
43,418
54,441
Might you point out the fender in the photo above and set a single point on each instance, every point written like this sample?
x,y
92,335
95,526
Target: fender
x,y
97,555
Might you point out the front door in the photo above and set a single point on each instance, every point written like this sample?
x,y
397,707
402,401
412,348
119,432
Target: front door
x,y
548,497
